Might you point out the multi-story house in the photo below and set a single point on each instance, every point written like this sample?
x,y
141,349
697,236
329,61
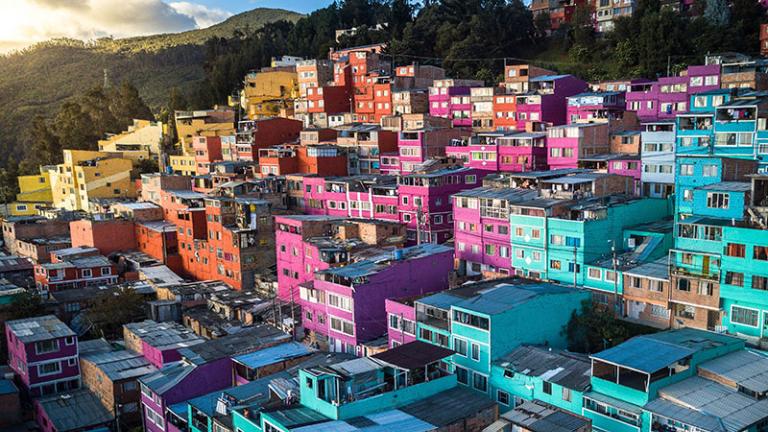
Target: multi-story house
x,y
253,135
478,322
365,144
319,159
159,343
595,106
482,113
741,130
501,151
215,122
505,111
744,72
416,146
87,175
142,140
657,156
482,229
450,98
425,201
646,293
203,368
557,240
43,353
269,92
112,377
375,391
307,244
517,77
313,73
343,307
626,142
545,100
411,101
675,380
569,143
75,273
669,96
34,193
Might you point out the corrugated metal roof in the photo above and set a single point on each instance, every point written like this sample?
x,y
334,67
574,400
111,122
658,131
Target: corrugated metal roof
x,y
386,421
737,411
537,416
375,264
504,297
731,186
121,365
658,269
39,328
509,194
547,78
569,370
448,407
273,354
689,416
746,368
76,410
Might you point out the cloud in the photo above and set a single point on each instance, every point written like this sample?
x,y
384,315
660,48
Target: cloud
x,y
203,16
30,21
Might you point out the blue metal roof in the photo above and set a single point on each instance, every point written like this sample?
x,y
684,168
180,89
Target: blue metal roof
x,y
644,354
547,78
441,300
251,391
273,355
501,298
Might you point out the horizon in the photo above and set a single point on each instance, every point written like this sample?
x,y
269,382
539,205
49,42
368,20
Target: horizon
x,y
27,22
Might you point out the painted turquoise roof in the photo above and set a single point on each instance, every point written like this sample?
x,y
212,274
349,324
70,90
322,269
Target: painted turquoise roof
x,y
644,354
502,298
273,354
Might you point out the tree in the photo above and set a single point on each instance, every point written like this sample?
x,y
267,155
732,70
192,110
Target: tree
x,y
43,147
27,305
717,13
74,128
594,329
126,104
111,310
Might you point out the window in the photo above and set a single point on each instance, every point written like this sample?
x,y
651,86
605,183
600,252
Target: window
x,y
594,273
717,200
686,169
735,250
734,278
744,316
71,362
470,319
546,387
342,326
683,285
87,273
705,288
48,346
129,386
46,369
760,253
710,170
760,283
502,397
518,232
480,382
475,352
470,179
460,346
566,394
340,302
555,264
536,234
557,239
462,375
154,417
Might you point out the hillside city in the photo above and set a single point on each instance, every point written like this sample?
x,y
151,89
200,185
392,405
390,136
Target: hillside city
x,y
354,243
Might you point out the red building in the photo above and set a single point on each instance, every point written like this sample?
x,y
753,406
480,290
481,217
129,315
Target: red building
x,y
320,159
504,112
253,135
158,239
207,150
75,273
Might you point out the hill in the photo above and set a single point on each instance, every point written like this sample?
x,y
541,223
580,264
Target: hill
x,y
39,79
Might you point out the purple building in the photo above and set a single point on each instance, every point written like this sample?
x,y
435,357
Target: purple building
x,y
627,165
669,96
345,306
159,343
545,102
595,106
43,352
449,98
204,368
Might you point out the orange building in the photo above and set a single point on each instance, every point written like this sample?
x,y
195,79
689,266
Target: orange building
x,y
504,112
108,236
158,240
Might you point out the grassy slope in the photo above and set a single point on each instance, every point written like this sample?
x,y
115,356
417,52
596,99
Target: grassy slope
x,y
40,79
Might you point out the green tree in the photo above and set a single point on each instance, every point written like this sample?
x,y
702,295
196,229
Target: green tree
x,y
44,146
717,13
27,305
110,311
126,104
74,128
594,329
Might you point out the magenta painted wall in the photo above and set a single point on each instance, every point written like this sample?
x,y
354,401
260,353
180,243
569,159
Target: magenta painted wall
x,y
405,311
21,355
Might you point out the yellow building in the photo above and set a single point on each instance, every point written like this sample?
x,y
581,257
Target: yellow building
x,y
215,122
87,175
142,140
183,165
270,93
34,193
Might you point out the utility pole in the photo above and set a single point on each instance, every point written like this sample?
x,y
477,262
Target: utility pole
x,y
615,278
418,225
402,330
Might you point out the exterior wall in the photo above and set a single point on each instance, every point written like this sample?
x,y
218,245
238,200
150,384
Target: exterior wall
x,y
567,144
401,311
25,230
21,356
108,236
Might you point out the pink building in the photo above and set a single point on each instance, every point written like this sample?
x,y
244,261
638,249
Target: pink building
x,y
207,150
417,146
482,230
43,353
425,201
450,98
627,165
307,244
499,151
567,144
545,102
401,321
344,307
669,96
159,342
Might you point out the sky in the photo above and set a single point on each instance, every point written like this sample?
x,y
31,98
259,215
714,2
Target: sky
x,y
24,22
